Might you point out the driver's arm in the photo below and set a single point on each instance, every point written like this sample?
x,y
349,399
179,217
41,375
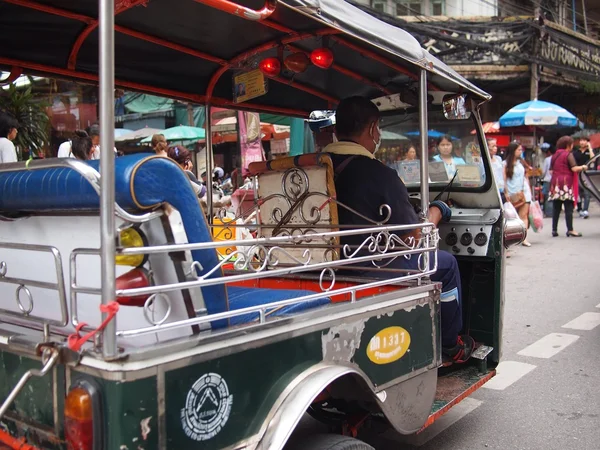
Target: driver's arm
x,y
403,212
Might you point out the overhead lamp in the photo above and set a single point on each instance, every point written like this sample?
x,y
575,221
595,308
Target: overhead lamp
x,y
296,62
322,57
271,67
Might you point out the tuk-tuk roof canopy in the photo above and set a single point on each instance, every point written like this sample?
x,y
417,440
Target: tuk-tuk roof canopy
x,y
188,50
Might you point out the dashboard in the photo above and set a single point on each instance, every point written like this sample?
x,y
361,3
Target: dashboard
x,y
469,231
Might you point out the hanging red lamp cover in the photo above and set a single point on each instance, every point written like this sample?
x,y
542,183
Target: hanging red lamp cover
x,y
322,57
296,62
271,67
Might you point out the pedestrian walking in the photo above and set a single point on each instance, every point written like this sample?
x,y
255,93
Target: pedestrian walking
x,y
546,179
563,184
583,154
497,166
8,133
516,185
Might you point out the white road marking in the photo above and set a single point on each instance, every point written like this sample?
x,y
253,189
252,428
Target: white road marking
x,y
507,373
549,345
587,321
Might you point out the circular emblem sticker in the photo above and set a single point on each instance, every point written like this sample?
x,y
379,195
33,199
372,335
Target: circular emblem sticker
x,y
207,407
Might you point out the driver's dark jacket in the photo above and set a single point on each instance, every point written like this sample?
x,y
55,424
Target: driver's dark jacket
x,y
365,185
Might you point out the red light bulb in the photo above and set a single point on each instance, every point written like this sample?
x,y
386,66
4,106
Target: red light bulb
x,y
322,57
271,67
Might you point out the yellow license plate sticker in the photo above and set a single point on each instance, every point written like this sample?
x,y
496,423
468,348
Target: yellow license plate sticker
x,y
389,345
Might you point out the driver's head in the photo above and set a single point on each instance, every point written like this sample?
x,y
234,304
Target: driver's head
x,y
357,120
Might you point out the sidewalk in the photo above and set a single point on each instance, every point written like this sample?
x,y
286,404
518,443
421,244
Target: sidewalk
x,y
553,246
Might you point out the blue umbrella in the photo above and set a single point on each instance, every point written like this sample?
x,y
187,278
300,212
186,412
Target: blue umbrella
x,y
121,131
430,133
538,113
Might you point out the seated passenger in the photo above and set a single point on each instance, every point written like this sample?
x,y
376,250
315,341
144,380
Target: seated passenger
x,y
81,148
159,144
364,184
64,149
411,153
444,146
183,157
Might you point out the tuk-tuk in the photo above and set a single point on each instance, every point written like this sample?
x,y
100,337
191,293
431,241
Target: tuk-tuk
x,y
122,327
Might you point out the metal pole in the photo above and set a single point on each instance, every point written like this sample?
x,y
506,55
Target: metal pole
x,y
423,127
535,78
585,25
208,161
574,16
107,167
424,142
534,82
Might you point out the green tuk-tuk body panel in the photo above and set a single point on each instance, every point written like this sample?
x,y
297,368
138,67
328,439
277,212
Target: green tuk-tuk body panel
x,y
248,384
229,401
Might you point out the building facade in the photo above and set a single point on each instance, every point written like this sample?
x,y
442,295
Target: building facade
x,y
515,49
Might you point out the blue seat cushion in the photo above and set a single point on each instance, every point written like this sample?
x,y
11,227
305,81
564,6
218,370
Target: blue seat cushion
x,y
142,181
242,297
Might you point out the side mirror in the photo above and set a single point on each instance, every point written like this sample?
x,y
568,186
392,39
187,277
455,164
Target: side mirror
x,y
456,107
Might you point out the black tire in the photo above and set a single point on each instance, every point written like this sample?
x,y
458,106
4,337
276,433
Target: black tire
x,y
330,442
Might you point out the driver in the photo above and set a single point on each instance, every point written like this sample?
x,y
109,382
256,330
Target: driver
x,y
365,184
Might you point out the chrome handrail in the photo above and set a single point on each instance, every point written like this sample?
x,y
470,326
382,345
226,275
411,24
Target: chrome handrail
x,y
24,283
49,364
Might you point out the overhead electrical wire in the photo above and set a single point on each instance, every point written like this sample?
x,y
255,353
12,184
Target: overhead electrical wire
x,y
441,33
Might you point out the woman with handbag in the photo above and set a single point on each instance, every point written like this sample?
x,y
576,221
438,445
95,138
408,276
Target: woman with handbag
x,y
516,185
564,189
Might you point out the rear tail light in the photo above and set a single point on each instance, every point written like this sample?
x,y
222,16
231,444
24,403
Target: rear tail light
x,y
131,238
83,419
135,278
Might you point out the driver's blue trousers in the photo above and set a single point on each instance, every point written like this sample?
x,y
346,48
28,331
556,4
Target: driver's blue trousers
x,y
448,274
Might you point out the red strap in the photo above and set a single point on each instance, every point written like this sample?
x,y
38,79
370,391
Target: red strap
x,y
327,202
13,443
76,341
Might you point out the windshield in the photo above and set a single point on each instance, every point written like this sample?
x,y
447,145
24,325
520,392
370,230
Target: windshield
x,y
453,149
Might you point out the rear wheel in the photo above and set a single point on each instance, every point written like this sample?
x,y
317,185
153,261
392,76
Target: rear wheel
x,y
329,442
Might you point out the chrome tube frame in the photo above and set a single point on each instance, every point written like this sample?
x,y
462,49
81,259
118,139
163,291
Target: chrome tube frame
x,y
262,309
59,286
373,251
423,127
209,164
108,233
52,355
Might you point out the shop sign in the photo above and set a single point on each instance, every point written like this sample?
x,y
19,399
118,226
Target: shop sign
x,y
564,50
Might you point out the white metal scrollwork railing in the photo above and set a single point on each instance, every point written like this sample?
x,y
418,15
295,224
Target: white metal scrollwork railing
x,y
380,247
